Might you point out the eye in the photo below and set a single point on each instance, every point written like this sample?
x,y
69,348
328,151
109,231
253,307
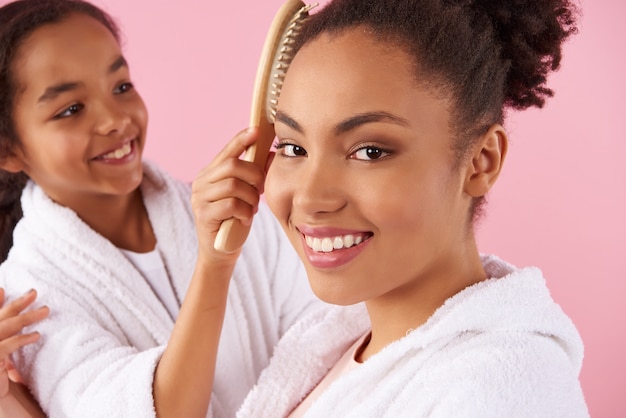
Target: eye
x,y
69,111
369,153
290,150
124,88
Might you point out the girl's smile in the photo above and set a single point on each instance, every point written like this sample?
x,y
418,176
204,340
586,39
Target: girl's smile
x,y
80,121
126,152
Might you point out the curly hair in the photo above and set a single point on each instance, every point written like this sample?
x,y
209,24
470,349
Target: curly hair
x,y
486,56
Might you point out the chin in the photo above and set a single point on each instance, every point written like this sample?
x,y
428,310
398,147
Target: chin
x,y
335,295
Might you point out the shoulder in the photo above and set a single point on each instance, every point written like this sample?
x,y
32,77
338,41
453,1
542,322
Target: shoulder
x,y
513,373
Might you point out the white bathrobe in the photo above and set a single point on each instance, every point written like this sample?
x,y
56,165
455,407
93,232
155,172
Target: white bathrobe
x,y
107,329
500,348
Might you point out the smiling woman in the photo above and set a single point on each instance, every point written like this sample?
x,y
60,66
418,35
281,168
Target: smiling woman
x,y
389,134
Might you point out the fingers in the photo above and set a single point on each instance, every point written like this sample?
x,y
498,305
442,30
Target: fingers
x,y
237,146
10,345
18,305
229,187
14,375
13,325
227,163
13,320
233,178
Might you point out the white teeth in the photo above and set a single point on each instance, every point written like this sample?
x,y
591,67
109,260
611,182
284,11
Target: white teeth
x,y
119,153
326,245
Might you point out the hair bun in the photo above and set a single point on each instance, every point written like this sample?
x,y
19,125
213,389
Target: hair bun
x,y
530,33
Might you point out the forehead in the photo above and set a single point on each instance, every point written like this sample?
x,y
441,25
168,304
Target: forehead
x,y
352,58
64,50
338,75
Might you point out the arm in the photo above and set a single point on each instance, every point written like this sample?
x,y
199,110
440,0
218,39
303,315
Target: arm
x,y
15,399
227,188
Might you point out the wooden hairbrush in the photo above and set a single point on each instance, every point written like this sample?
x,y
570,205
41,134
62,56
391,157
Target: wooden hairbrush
x,y
275,58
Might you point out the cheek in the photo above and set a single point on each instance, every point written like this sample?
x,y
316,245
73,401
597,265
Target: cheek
x,y
141,112
396,213
405,209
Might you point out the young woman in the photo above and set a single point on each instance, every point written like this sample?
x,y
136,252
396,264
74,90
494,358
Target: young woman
x,y
389,135
136,292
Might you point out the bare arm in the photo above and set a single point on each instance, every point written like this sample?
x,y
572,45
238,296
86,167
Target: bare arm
x,y
227,188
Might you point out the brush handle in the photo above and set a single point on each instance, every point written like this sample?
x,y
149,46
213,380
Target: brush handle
x,y
232,233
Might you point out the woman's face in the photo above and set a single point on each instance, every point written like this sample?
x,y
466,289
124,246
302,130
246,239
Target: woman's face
x,y
364,179
80,122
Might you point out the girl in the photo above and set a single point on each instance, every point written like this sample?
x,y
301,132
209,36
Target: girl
x,y
136,293
390,134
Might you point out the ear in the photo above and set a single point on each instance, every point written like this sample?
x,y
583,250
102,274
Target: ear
x,y
10,158
487,160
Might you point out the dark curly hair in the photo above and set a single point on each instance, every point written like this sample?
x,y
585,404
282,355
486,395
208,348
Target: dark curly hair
x,y
486,55
17,21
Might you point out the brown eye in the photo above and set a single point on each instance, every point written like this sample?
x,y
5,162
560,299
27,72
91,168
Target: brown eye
x,y
124,87
369,153
69,111
291,150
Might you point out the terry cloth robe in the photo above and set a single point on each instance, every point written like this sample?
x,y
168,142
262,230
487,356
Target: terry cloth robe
x,y
500,348
107,329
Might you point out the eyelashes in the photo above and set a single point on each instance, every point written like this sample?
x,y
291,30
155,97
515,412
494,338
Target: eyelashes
x,y
75,108
369,153
69,111
290,150
363,152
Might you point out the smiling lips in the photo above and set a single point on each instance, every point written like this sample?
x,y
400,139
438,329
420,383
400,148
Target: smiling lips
x,y
329,244
117,154
334,250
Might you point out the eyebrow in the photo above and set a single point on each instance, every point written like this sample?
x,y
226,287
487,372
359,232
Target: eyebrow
x,y
53,91
117,64
348,124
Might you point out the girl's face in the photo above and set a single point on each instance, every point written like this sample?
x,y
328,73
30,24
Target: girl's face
x,y
80,121
364,180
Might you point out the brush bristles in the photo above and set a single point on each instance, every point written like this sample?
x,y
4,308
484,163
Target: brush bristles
x,y
284,56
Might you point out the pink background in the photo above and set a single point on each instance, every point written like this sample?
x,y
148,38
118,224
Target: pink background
x,y
557,204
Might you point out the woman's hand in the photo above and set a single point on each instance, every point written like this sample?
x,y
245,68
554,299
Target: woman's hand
x,y
13,319
227,188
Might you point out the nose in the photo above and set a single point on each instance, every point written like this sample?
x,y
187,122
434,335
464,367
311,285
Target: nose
x,y
319,188
111,118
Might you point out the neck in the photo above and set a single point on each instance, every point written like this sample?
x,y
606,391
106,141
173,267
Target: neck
x,y
122,220
395,314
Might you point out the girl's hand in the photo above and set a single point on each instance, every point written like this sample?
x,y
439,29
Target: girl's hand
x,y
12,322
227,188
